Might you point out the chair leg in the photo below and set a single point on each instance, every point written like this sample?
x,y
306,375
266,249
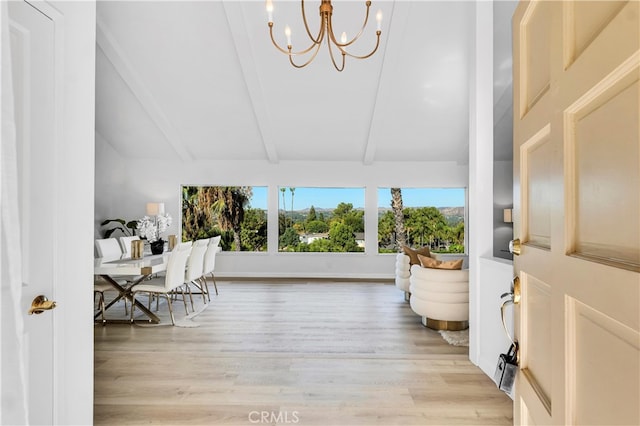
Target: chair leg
x,y
173,322
190,296
214,283
102,308
133,305
205,287
184,299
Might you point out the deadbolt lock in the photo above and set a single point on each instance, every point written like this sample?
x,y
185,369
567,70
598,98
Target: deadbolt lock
x,y
514,247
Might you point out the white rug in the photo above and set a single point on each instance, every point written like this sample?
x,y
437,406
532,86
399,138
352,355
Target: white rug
x,y
165,318
456,338
183,320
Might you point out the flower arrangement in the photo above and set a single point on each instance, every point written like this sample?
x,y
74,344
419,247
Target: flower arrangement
x,y
150,227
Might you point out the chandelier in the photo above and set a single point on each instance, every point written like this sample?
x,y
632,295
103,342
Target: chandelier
x,y
326,30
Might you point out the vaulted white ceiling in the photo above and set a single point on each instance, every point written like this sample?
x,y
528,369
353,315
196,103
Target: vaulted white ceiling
x,y
201,80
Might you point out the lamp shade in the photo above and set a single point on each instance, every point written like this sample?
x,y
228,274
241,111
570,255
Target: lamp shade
x,y
154,209
508,215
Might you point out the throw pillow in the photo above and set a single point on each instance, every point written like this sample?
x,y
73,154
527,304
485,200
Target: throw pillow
x,y
427,262
413,254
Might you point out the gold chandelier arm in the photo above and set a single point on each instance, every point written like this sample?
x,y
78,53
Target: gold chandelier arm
x,y
372,52
313,56
332,38
306,25
342,51
357,36
288,50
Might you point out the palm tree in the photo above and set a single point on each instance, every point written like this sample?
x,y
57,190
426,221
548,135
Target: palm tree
x,y
284,208
398,216
292,192
228,208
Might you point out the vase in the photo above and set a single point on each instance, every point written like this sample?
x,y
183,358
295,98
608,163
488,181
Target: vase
x,y
157,247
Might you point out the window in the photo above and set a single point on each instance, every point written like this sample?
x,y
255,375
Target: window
x,y
237,213
431,217
321,219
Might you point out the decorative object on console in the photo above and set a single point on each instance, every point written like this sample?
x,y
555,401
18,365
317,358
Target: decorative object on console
x,y
326,29
507,215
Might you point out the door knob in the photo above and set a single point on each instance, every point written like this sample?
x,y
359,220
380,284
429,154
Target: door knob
x,y
514,247
41,304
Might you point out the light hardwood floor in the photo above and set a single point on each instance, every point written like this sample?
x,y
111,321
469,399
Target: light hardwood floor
x,y
292,352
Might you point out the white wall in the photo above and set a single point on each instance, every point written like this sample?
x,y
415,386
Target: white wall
x,y
124,189
496,275
480,164
73,274
502,199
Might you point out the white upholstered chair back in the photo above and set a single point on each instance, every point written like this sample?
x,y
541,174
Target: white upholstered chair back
x,y
108,247
196,260
176,266
210,255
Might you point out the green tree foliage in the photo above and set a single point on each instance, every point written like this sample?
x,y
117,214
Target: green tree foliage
x,y
342,238
312,214
316,227
220,210
386,229
320,245
253,231
345,214
424,226
289,240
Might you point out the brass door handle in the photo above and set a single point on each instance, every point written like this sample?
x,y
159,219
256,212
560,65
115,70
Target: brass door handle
x,y
514,247
41,304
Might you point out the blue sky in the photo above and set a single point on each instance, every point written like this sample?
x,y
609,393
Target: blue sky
x,y
330,197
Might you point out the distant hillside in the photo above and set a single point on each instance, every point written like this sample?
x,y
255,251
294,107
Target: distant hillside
x,y
446,211
452,214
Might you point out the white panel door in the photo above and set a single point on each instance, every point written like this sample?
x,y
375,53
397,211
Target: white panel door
x,y
577,211
32,54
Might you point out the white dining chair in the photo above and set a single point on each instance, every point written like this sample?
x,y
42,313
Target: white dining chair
x,y
125,244
170,282
195,268
108,248
100,286
210,262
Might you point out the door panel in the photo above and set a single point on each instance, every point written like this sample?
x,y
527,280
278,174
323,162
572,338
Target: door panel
x,y
537,156
599,155
591,332
577,208
32,49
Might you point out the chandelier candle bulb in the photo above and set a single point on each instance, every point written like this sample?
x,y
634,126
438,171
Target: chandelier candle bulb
x,y
287,32
270,10
379,19
343,39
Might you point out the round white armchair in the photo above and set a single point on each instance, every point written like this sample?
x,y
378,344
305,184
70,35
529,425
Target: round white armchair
x,y
402,274
440,297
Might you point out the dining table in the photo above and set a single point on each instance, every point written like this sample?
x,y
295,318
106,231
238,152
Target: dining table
x,y
135,270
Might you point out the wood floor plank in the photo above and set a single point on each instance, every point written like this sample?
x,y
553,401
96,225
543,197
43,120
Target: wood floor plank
x,y
308,353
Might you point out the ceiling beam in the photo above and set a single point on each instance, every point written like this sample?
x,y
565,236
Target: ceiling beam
x,y
246,58
114,53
